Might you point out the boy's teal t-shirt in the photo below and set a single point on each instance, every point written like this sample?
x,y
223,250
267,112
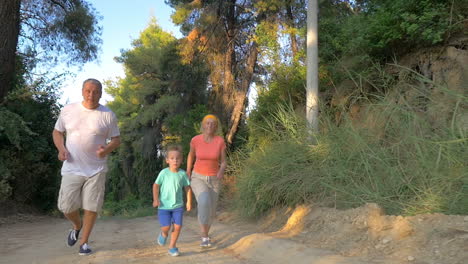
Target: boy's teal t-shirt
x,y
171,188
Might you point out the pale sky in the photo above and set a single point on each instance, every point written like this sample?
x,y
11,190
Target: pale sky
x,y
122,21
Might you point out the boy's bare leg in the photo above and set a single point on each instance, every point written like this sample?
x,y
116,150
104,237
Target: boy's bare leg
x,y
89,218
74,217
175,235
165,230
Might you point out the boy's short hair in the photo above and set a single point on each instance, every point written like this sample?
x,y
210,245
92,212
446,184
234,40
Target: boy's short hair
x,y
173,147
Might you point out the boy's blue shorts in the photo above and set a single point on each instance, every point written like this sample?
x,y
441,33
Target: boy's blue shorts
x,y
167,217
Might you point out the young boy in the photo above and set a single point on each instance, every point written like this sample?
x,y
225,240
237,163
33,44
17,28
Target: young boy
x,y
168,191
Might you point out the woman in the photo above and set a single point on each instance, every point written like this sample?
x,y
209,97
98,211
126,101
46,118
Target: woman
x,y
208,151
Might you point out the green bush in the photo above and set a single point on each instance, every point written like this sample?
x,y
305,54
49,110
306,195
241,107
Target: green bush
x,y
406,165
385,28
128,207
393,155
29,168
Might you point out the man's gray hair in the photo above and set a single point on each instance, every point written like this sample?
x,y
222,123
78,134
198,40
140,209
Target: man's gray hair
x,y
93,81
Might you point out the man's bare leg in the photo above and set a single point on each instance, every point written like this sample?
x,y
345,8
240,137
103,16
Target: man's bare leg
x,y
74,217
89,218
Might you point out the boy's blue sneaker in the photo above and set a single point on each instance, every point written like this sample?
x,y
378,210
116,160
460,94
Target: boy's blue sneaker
x,y
85,250
161,240
72,237
174,252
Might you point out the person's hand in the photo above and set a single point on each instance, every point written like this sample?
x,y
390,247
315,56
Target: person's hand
x,y
189,206
100,151
189,174
219,176
63,155
156,203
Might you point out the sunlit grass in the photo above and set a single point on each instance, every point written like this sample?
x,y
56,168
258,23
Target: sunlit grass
x,y
395,154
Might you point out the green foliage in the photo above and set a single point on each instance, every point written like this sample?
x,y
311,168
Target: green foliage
x,y
60,30
162,100
181,128
356,34
181,14
267,37
286,86
393,155
51,32
5,177
13,127
397,159
158,101
29,168
392,27
271,170
129,207
333,16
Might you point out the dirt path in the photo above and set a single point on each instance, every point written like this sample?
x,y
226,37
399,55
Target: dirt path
x,y
296,235
132,241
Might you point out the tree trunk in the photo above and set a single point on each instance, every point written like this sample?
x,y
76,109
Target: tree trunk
x,y
312,66
290,23
9,32
241,94
229,86
223,93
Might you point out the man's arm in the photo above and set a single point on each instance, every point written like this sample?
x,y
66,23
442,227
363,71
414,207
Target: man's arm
x,y
59,142
103,151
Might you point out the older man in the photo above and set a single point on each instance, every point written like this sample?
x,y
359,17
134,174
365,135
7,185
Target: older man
x,y
80,135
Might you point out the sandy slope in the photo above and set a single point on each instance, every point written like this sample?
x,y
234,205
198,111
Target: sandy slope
x,y
300,235
132,241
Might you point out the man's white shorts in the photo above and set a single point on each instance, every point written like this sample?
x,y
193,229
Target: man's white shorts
x,y
82,192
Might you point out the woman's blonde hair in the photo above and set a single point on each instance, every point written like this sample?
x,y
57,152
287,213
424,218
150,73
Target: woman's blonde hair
x,y
219,131
210,116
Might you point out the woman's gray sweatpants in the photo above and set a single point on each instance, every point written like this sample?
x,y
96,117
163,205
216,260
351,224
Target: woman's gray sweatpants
x,y
206,190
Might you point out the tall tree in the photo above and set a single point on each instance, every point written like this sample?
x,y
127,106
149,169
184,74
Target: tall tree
x,y
224,33
46,31
155,103
291,25
9,32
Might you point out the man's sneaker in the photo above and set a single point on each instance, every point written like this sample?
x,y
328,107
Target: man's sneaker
x,y
72,237
161,240
174,252
85,250
205,242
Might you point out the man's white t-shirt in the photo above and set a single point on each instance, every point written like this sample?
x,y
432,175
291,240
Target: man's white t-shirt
x,y
85,130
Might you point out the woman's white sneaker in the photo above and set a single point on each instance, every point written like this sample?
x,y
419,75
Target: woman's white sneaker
x,y
205,243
